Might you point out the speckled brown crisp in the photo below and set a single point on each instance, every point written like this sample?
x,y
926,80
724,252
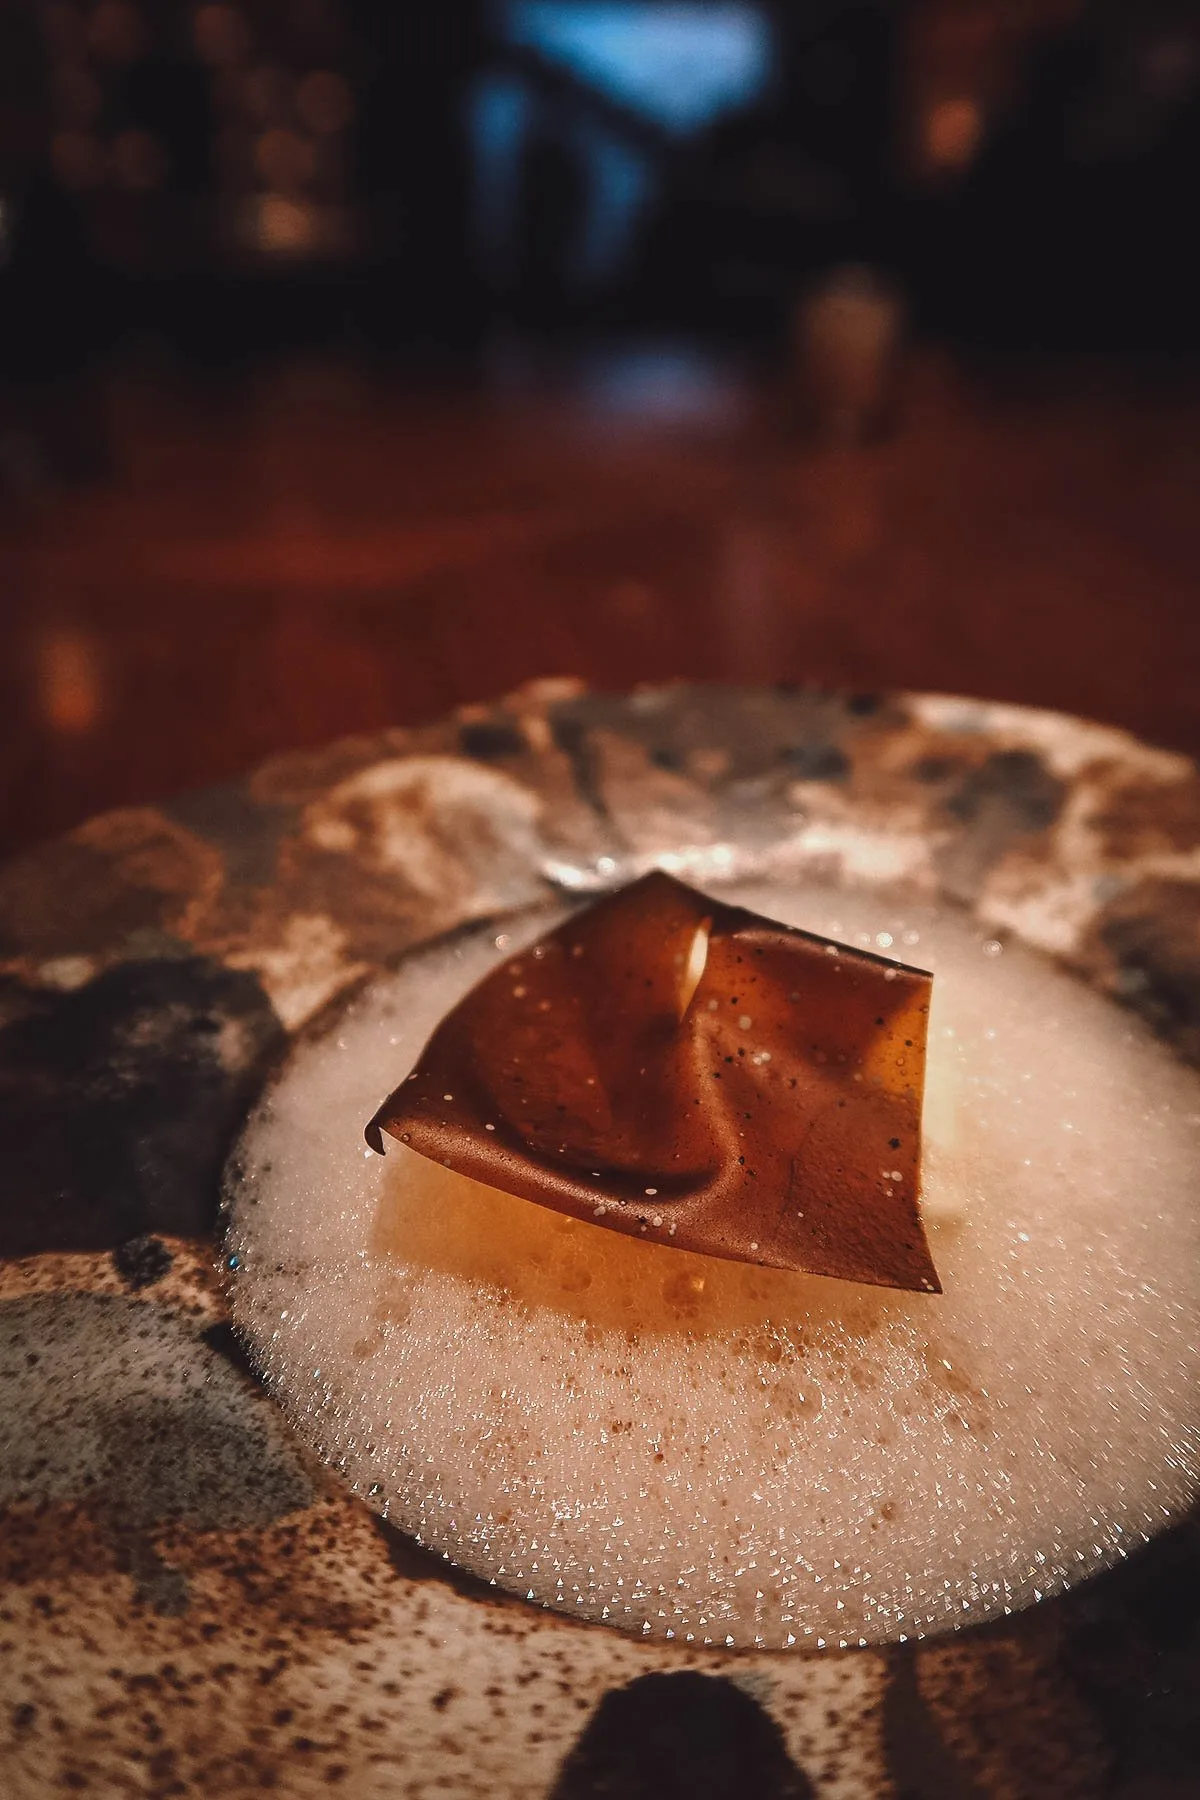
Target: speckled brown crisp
x,y
187,1606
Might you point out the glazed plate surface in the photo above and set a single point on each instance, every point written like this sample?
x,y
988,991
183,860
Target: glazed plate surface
x,y
191,1604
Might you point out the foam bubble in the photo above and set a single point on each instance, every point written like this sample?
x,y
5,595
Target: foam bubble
x,y
730,1455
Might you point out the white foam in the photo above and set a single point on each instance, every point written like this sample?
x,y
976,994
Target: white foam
x,y
732,1455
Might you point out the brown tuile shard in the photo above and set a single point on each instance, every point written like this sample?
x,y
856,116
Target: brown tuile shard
x,y
662,1060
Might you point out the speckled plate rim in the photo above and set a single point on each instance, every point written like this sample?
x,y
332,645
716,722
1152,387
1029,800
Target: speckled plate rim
x,y
385,1674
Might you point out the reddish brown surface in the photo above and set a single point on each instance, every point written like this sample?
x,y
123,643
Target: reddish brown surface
x,y
321,552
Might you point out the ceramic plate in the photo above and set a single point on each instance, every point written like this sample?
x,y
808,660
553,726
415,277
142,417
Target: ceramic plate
x,y
190,1606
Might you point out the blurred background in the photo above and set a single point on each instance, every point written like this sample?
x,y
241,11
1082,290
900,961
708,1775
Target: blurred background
x,y
358,360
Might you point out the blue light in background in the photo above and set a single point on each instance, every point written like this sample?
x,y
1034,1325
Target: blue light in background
x,y
680,65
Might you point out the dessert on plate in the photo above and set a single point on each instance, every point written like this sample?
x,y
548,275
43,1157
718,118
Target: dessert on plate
x,y
731,1278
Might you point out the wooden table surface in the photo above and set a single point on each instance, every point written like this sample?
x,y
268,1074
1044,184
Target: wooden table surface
x,y
320,550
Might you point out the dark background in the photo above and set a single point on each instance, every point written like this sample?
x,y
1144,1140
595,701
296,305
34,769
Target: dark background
x,y
361,360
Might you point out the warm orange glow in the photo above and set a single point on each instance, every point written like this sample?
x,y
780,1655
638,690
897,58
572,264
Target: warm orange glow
x,y
284,227
953,129
69,680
